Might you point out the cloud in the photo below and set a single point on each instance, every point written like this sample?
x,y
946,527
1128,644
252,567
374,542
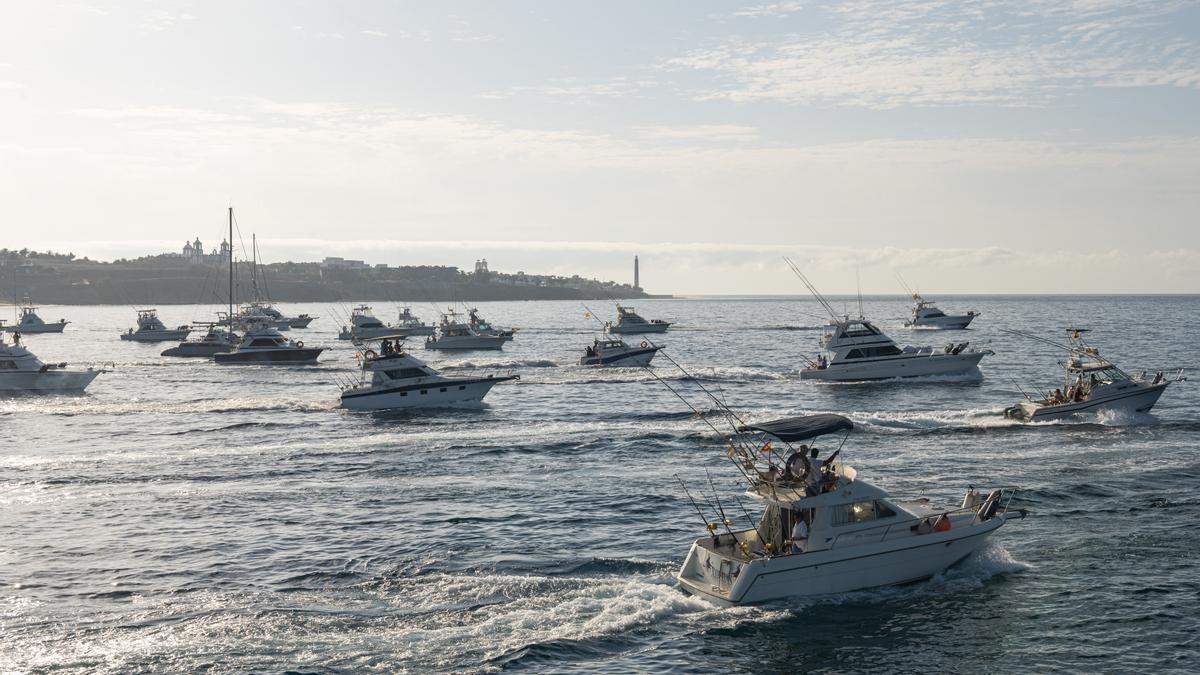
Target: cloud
x,y
373,33
889,53
774,9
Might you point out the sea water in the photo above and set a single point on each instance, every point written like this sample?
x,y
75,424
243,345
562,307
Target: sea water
x,y
183,515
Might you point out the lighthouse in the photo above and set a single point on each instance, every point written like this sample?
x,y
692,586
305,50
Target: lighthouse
x,y
637,286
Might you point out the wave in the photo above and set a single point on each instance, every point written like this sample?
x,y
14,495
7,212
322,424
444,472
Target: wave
x,y
498,363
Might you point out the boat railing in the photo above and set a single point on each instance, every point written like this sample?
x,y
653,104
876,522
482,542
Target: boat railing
x,y
976,510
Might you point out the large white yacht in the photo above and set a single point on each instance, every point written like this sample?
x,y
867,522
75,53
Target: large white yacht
x,y
859,351
262,344
364,326
150,329
455,334
393,378
630,322
29,322
615,353
825,530
1091,384
925,314
21,371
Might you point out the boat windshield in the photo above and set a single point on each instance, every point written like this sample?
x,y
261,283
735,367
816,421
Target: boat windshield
x,y
859,329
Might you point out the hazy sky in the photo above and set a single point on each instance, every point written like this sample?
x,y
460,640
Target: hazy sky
x,y
1036,145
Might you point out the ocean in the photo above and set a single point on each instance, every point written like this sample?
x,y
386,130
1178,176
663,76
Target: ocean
x,y
186,516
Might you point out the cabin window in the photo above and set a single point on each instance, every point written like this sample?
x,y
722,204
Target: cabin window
x,y
859,330
889,350
461,387
8,365
263,343
858,512
853,354
402,373
424,391
404,393
443,390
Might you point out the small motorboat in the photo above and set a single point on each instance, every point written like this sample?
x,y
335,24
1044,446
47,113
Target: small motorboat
x,y
393,378
479,325
150,329
825,530
29,322
364,326
1091,384
21,371
262,344
925,314
615,353
630,322
216,340
455,334
859,351
409,324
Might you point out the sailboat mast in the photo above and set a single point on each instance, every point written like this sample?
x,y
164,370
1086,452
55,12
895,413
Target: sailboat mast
x,y
230,315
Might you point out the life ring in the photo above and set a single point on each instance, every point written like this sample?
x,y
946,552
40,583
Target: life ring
x,y
645,344
369,354
299,343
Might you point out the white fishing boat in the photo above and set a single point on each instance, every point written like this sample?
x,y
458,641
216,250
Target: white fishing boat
x,y
856,351
458,335
825,530
263,345
1091,384
925,314
409,324
392,378
481,326
216,340
151,329
615,353
21,371
630,322
29,322
364,326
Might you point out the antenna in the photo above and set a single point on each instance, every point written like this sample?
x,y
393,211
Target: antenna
x,y
812,289
858,282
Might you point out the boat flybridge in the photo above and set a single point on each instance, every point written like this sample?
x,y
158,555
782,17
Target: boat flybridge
x,y
364,326
216,340
262,344
151,329
481,326
630,322
925,314
1091,384
858,351
825,530
21,371
392,378
611,353
454,334
29,322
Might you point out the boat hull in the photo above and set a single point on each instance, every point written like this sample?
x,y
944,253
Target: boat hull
x,y
475,342
56,327
157,336
425,395
270,356
369,333
947,322
632,358
917,365
197,350
886,563
47,381
300,321
643,329
1139,401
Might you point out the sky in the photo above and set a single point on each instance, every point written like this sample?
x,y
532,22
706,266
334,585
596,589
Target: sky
x,y
972,147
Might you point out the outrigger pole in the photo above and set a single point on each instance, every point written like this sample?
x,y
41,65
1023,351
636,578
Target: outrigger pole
x,y
811,289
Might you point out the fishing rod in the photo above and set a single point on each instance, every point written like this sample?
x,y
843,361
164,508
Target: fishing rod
x,y
711,527
757,531
1065,347
725,519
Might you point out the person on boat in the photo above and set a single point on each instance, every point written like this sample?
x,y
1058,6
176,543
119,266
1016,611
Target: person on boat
x,y
799,534
942,524
1058,396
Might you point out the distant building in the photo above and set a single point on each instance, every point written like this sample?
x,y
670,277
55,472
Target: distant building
x,y
481,268
335,263
193,253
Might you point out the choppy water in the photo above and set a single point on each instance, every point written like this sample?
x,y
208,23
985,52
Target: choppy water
x,y
183,515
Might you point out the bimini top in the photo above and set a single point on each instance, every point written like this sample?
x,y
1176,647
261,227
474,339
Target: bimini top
x,y
791,429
